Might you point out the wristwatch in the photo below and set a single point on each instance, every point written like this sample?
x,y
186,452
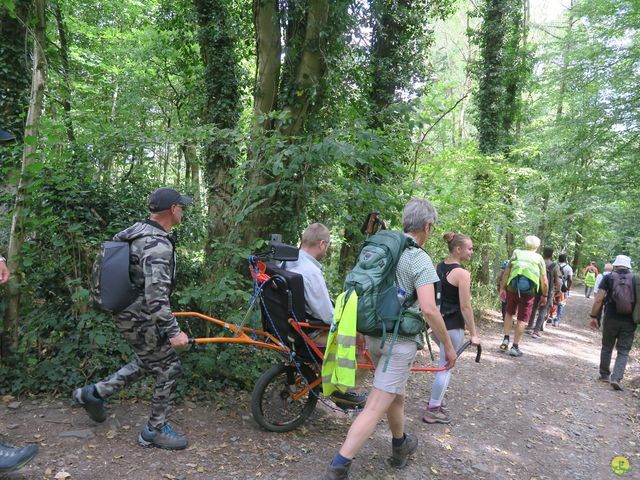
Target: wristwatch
x,y
595,317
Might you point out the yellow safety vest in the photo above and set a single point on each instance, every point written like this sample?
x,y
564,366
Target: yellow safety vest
x,y
339,366
527,264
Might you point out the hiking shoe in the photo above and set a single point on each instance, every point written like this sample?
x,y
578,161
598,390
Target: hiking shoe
x,y
14,458
337,472
349,400
504,346
92,403
400,455
164,437
555,324
536,334
515,352
616,385
436,415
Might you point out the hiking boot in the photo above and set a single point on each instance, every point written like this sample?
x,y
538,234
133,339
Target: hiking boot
x,y
349,400
92,403
536,334
436,415
504,346
515,352
616,385
164,437
400,455
14,458
337,472
604,378
555,323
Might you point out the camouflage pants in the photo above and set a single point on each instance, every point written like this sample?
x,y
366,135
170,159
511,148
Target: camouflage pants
x,y
155,356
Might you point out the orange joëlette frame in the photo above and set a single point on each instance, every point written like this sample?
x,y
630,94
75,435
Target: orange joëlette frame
x,y
272,343
242,336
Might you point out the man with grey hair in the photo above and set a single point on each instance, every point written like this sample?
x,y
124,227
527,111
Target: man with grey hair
x,y
313,248
415,274
617,294
525,276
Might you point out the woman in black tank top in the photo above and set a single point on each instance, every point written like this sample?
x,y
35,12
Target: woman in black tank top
x,y
457,313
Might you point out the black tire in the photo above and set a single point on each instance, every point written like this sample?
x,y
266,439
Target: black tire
x,y
271,404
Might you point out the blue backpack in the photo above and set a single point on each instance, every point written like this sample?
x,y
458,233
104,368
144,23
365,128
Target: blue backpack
x,y
523,284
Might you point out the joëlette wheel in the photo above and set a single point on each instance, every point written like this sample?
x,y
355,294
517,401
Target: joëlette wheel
x,y
272,403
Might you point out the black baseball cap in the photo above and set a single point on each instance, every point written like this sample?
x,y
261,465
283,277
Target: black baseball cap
x,y
163,198
6,136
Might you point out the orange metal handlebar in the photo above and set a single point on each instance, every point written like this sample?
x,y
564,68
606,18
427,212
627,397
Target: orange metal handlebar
x,y
269,341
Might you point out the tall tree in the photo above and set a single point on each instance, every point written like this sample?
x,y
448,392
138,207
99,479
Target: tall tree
x,y
218,46
18,234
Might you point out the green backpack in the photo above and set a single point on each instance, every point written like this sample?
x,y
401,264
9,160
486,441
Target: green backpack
x,y
373,278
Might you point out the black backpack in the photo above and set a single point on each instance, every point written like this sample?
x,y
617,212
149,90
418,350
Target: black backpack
x,y
563,280
111,288
550,283
623,296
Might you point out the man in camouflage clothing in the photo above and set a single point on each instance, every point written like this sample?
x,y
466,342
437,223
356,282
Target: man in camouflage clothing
x,y
148,324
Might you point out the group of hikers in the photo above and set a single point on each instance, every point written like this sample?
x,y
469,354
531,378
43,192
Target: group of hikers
x,y
535,287
528,284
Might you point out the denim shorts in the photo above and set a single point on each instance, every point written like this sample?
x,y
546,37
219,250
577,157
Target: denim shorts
x,y
394,380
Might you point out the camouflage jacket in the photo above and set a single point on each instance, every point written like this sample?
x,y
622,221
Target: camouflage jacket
x,y
153,271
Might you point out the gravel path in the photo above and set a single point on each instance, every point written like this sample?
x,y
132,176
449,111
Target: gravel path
x,y
541,416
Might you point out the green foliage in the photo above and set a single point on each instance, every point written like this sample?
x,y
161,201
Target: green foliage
x,y
158,92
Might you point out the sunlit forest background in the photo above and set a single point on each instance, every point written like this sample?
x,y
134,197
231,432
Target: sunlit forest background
x,y
514,117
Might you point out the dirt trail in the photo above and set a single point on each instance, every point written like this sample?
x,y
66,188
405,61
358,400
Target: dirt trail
x,y
540,416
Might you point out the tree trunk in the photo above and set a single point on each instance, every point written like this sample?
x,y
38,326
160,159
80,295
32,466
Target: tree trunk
x,y
17,236
66,74
192,170
311,68
565,62
267,24
577,253
543,219
218,49
107,171
489,76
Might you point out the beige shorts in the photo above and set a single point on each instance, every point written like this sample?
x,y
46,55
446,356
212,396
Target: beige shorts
x,y
394,380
